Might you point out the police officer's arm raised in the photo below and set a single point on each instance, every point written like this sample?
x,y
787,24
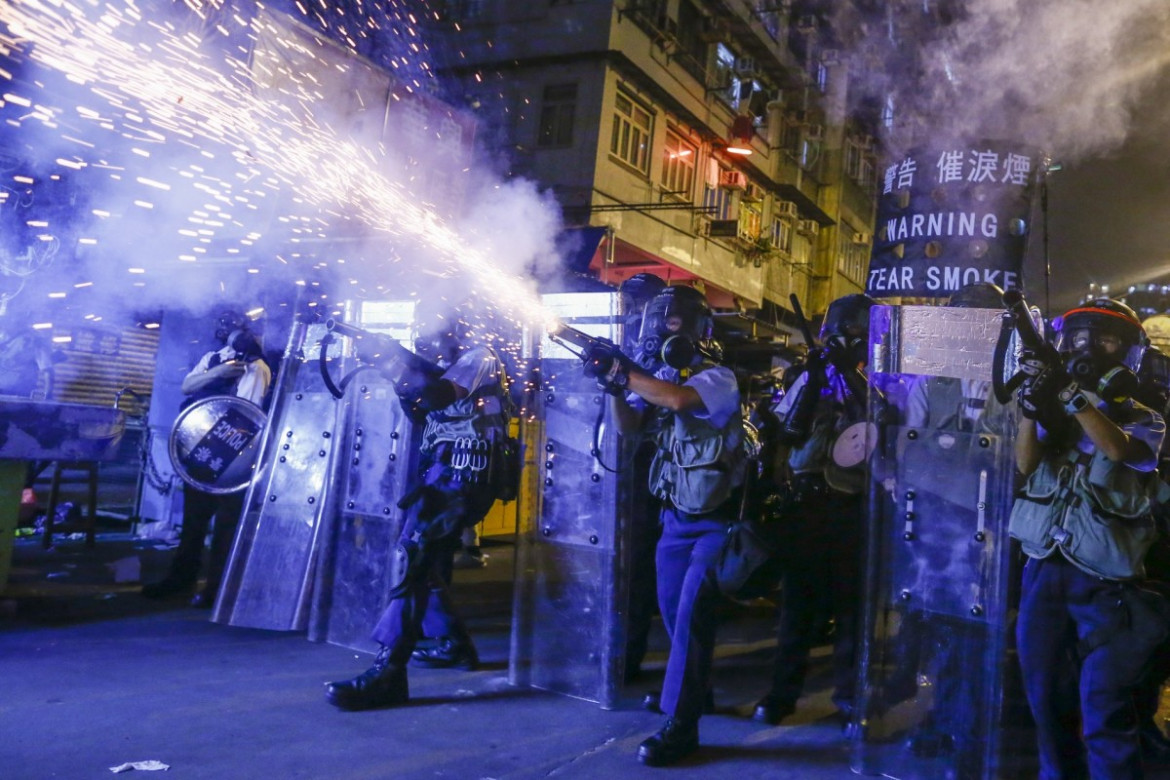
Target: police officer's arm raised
x,y
205,373
1050,390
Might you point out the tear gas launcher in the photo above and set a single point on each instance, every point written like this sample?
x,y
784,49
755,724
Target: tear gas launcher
x,y
1018,318
384,353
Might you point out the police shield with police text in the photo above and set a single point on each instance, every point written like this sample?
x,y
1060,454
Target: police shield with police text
x,y
1084,520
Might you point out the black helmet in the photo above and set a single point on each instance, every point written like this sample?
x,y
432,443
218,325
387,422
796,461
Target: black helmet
x,y
641,288
1079,331
228,322
676,326
978,295
847,318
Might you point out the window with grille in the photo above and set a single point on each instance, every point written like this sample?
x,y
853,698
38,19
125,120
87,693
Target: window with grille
x,y
718,200
630,141
557,115
782,235
678,165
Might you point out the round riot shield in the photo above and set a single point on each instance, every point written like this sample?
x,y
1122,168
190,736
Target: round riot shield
x,y
215,441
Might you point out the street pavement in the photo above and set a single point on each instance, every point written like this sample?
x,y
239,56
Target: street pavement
x,y
95,677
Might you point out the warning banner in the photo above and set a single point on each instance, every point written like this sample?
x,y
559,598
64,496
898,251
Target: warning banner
x,y
951,217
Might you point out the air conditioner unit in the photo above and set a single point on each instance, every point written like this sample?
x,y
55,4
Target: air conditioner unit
x,y
721,228
733,180
814,132
752,193
862,238
745,67
806,24
830,56
808,227
786,209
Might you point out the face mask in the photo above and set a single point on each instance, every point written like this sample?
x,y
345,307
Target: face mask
x,y
1103,375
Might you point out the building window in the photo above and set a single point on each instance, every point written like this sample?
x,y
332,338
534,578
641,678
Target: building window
x,y
678,166
853,259
717,202
557,116
630,142
782,235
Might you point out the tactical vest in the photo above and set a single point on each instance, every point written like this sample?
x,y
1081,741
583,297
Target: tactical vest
x,y
693,468
1098,512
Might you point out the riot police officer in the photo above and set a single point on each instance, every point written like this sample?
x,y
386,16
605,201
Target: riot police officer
x,y
1083,520
826,519
236,368
697,473
466,412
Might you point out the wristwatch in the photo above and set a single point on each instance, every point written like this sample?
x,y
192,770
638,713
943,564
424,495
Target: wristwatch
x,y
1073,399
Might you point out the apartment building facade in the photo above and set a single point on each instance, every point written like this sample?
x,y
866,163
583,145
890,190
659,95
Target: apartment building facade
x,y
711,142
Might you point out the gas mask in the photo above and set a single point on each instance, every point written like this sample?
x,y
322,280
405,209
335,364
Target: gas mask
x,y
846,327
1102,343
676,328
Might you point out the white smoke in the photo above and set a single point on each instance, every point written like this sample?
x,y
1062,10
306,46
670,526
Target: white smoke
x,y
1063,76
204,173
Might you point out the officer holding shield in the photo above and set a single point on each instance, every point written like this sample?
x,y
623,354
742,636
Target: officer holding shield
x,y
466,409
827,524
235,368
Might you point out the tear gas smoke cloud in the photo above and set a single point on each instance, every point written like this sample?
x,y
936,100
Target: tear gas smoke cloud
x,y
185,154
1059,75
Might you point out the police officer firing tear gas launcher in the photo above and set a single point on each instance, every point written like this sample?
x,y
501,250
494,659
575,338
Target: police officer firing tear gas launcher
x,y
1084,519
458,388
697,470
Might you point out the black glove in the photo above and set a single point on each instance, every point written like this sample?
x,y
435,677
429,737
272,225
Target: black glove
x,y
817,361
1034,362
1051,391
608,365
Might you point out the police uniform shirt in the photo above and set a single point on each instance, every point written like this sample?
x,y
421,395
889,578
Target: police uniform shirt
x,y
716,386
1139,422
833,398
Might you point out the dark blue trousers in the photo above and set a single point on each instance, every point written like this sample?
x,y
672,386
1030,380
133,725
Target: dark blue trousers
x,y
430,535
1060,605
688,597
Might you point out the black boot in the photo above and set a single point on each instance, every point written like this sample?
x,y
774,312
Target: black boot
x,y
382,685
772,709
448,653
675,741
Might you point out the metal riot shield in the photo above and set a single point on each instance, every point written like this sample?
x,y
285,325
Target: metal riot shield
x,y
268,578
314,550
936,625
356,566
568,619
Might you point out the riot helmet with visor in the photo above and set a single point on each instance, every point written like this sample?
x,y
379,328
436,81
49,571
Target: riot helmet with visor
x,y
846,325
1102,342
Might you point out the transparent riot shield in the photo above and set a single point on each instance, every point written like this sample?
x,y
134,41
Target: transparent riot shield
x,y
934,657
356,565
568,619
